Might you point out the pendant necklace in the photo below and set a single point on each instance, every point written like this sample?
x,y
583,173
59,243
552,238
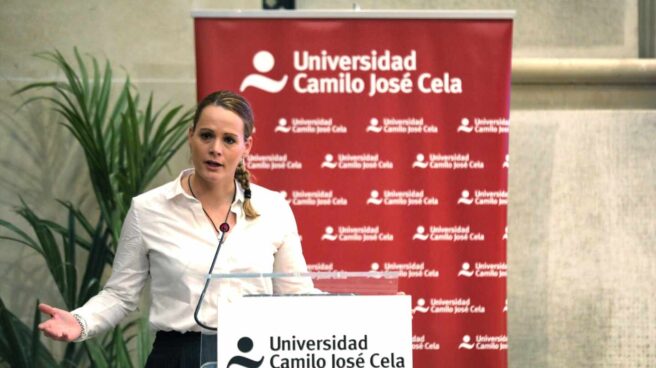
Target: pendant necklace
x,y
224,227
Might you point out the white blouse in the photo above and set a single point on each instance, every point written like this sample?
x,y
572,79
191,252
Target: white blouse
x,y
167,236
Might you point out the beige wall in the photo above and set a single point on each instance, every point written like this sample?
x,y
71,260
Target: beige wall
x,y
581,238
582,247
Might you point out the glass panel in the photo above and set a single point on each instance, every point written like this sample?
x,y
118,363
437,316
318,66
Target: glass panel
x,y
227,286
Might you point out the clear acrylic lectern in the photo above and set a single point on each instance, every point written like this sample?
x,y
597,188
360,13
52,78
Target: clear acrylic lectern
x,y
227,288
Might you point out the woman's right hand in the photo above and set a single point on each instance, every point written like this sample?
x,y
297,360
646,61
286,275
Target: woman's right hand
x,y
62,326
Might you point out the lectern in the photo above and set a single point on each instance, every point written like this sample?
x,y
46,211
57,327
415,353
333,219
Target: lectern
x,y
310,320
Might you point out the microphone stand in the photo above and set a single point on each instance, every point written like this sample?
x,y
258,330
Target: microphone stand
x,y
207,284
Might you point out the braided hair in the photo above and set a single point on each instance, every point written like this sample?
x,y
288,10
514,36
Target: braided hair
x,y
237,104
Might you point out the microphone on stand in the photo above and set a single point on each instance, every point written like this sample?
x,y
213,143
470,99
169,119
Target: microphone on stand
x,y
224,227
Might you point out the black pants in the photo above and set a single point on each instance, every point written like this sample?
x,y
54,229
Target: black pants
x,y
180,350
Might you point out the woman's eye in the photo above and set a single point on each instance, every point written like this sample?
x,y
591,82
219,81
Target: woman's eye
x,y
205,136
229,140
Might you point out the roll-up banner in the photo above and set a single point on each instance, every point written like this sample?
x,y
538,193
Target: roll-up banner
x,y
388,134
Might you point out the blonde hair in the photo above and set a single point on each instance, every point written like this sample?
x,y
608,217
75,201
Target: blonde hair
x,y
243,177
237,104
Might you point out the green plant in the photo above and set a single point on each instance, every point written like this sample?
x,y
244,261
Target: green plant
x,y
15,333
125,146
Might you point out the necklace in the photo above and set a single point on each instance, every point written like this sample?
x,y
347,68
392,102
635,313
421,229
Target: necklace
x,y
224,227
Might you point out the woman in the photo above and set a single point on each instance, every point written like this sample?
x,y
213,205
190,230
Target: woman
x,y
171,233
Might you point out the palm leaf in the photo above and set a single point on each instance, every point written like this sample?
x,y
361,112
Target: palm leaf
x,y
70,272
12,345
23,237
120,350
49,247
18,341
95,266
144,341
36,334
97,354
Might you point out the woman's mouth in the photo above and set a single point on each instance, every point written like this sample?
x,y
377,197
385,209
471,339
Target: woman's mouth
x,y
213,165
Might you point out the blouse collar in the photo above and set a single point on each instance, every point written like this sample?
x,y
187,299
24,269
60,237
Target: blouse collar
x,y
176,190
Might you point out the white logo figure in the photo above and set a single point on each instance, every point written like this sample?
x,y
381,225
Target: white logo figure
x,y
373,126
328,162
375,266
374,198
464,198
284,195
419,162
505,233
329,234
420,234
465,343
420,306
464,271
263,62
505,306
282,126
506,162
464,126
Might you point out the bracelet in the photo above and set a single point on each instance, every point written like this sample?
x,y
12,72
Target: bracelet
x,y
83,327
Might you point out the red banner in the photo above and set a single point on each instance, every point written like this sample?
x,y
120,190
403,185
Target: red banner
x,y
389,138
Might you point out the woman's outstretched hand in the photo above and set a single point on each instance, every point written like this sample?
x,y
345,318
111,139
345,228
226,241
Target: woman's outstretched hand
x,y
62,326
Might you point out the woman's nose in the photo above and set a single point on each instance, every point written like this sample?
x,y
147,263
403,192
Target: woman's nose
x,y
216,148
